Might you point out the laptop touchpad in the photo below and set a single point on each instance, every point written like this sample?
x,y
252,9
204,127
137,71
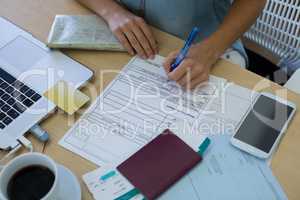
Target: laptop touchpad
x,y
22,54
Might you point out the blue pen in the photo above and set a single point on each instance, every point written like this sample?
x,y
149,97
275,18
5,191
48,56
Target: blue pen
x,y
180,57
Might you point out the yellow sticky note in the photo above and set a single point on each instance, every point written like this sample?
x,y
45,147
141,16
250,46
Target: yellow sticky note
x,y
66,97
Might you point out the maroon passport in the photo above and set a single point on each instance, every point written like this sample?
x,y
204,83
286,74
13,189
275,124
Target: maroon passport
x,y
159,164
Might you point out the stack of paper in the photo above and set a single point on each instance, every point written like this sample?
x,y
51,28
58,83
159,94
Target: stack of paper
x,y
82,32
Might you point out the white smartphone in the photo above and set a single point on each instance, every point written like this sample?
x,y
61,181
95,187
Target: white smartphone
x,y
262,127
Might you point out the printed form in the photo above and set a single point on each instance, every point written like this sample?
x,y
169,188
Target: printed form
x,y
142,102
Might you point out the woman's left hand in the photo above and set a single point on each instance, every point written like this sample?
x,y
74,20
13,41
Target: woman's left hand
x,y
195,68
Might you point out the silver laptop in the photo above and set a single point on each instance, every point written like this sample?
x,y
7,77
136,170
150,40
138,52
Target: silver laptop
x,y
27,69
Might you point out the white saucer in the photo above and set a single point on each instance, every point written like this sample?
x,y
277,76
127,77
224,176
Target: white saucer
x,y
70,187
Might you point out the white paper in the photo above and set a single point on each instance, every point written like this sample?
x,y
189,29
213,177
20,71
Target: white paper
x,y
141,102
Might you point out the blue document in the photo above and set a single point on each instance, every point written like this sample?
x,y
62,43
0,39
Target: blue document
x,y
227,173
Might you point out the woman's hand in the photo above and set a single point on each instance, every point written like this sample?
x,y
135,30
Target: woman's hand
x,y
132,31
195,68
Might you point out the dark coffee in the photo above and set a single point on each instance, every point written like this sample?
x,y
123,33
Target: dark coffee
x,y
30,183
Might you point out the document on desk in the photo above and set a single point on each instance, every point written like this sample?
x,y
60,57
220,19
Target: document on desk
x,y
142,102
225,173
82,32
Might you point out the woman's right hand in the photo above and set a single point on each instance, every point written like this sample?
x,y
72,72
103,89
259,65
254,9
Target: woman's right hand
x,y
132,31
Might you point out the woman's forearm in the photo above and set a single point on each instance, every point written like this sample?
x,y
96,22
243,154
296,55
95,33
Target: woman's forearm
x,y
241,16
131,31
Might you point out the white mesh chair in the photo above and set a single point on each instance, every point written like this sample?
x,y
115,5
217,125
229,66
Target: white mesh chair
x,y
278,31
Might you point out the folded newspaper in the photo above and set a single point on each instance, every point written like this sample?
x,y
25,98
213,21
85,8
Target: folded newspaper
x,y
82,32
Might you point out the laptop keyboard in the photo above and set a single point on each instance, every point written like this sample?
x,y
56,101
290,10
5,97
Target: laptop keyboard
x,y
15,98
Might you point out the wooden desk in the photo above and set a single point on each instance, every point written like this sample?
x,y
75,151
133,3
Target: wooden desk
x,y
36,16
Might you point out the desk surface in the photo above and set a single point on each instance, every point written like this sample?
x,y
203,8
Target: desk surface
x,y
36,16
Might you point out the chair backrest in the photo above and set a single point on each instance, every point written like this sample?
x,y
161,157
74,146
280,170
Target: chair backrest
x,y
278,30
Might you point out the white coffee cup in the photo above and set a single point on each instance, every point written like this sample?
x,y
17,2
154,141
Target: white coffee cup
x,y
26,160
